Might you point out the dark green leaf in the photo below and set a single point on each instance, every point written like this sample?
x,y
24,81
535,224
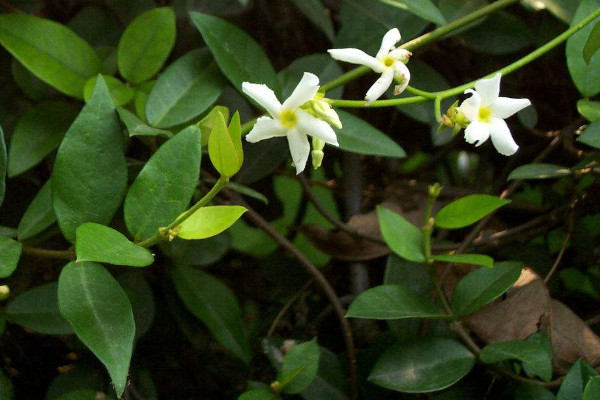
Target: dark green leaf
x,y
562,9
140,295
529,353
164,187
303,357
592,44
3,166
258,394
585,75
199,252
317,14
455,9
146,44
82,394
483,285
393,302
90,173
6,387
330,382
31,85
422,365
475,259
39,214
100,313
83,375
401,236
467,210
53,52
501,33
591,135
589,109
533,392
539,171
120,93
137,127
322,65
592,389
209,221
574,383
11,253
423,8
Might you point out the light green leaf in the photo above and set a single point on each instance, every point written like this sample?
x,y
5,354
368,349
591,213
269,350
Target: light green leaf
x,y
100,313
3,166
184,90
238,55
475,259
11,253
539,171
575,381
164,187
467,210
120,93
209,221
146,44
592,389
422,365
585,75
214,304
589,109
207,123
137,127
225,147
591,135
359,137
529,353
423,8
39,214
592,44
90,173
95,242
53,52
317,14
403,238
37,133
483,285
37,309
303,358
392,302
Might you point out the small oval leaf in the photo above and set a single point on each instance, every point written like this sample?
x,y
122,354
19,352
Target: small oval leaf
x,y
532,354
304,358
11,253
209,221
475,259
467,210
539,171
401,236
39,214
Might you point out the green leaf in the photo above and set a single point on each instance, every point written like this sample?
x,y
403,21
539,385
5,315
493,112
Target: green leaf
x,y
533,392
214,304
562,9
225,148
3,166
592,389
422,365
318,15
39,214
501,33
237,54
591,135
209,221
585,75
258,394
423,8
137,127
475,259
575,381
392,302
90,174
82,394
322,65
592,44
467,210
100,313
358,136
185,90
539,171
146,44
37,309
120,93
6,387
589,109
401,236
529,353
95,242
165,186
483,285
140,296
37,133
11,253
303,357
330,382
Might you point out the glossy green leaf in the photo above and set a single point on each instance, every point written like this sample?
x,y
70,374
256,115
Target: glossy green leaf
x,y
225,148
39,214
146,44
591,135
184,90
11,253
37,309
501,33
358,136
585,75
120,93
214,304
53,52
209,221
3,166
137,127
467,210
592,44
37,133
240,58
207,123
475,259
95,242
423,8
533,392
87,187
483,285
258,394
302,363
589,109
6,387
574,383
164,187
317,14
592,389
100,313
539,171
529,353
422,365
403,238
140,296
393,302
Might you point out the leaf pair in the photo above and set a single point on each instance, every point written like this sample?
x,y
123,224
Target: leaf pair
x,y
225,144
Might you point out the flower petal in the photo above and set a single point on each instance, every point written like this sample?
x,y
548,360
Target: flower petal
x,y
304,91
356,56
477,132
265,128
387,43
309,125
299,148
504,107
402,75
401,55
380,86
470,106
502,138
488,89
263,96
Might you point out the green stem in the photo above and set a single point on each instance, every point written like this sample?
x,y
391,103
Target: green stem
x,y
420,92
49,253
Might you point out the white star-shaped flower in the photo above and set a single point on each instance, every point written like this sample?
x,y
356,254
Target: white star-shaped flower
x,y
486,112
288,119
389,62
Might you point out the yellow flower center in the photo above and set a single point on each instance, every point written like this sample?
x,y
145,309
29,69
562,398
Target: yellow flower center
x,y
389,61
288,119
485,114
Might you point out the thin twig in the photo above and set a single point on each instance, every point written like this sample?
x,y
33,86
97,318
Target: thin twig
x,y
287,306
49,253
558,258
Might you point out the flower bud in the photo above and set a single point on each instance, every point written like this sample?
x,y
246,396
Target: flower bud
x,y
321,109
317,153
4,292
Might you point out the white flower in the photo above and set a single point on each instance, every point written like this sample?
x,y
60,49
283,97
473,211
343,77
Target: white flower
x,y
288,119
486,112
389,62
